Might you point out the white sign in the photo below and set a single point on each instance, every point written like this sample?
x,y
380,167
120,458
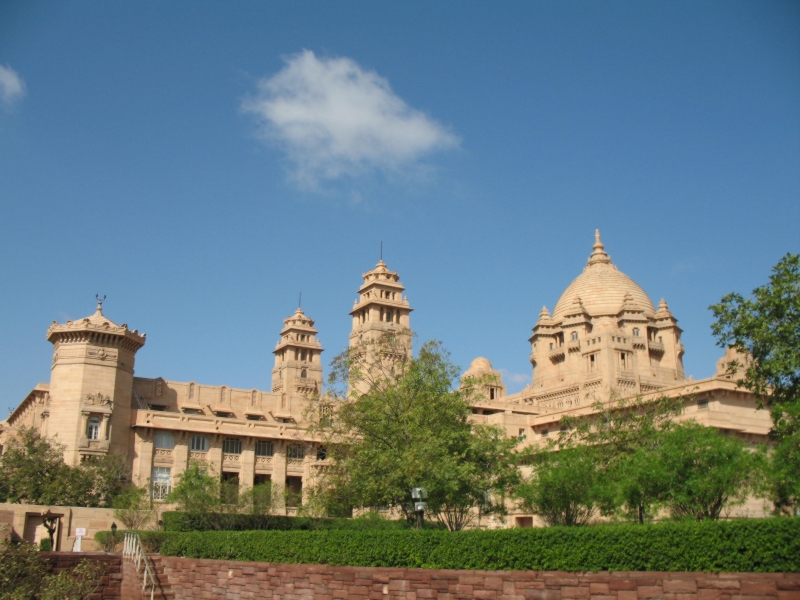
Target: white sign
x,y
80,531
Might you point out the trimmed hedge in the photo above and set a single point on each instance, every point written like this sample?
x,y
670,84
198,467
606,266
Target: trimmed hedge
x,y
179,521
151,540
764,545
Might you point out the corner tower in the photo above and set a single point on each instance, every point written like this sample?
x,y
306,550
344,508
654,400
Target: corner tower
x,y
298,357
91,385
381,308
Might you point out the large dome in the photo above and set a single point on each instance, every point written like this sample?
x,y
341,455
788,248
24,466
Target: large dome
x,y
602,288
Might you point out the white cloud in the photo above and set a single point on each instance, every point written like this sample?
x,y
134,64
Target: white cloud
x,y
12,88
334,119
515,380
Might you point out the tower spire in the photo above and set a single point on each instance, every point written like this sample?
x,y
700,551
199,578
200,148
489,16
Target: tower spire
x,y
599,254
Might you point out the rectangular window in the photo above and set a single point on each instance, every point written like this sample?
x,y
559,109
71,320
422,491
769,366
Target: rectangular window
x,y
199,443
521,434
164,439
161,482
264,448
232,446
702,403
295,451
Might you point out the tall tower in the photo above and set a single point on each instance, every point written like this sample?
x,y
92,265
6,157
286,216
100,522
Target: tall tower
x,y
91,385
298,357
380,308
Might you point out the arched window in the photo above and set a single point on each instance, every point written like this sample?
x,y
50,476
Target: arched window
x,y
164,439
199,443
93,429
303,374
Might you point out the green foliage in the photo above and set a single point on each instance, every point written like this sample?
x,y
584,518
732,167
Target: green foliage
x,y
184,522
766,328
704,470
22,571
391,423
151,540
764,545
45,545
209,503
32,471
624,436
25,575
566,487
134,508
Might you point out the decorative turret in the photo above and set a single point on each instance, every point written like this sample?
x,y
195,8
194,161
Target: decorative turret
x,y
298,365
91,384
380,307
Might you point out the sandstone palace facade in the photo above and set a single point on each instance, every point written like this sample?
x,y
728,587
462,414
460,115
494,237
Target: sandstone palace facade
x,y
604,339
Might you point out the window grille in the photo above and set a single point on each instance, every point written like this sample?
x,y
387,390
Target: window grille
x,y
164,439
295,451
199,443
232,446
264,448
161,482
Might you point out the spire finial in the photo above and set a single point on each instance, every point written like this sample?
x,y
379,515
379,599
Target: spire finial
x,y
599,254
381,249
300,301
100,302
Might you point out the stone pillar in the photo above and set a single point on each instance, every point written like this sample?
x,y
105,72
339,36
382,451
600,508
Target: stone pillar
x,y
247,468
214,456
144,456
279,475
180,455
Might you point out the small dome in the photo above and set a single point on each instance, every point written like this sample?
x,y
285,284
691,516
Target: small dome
x,y
480,365
602,288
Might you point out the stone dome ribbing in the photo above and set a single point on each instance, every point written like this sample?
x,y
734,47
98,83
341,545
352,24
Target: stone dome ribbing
x,y
601,288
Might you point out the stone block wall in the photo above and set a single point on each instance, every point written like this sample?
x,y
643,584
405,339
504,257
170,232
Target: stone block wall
x,y
110,584
207,579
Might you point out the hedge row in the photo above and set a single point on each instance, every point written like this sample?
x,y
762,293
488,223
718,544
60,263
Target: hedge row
x,y
179,521
764,545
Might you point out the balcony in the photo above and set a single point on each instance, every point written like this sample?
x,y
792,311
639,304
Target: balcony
x,y
93,445
573,345
656,347
557,354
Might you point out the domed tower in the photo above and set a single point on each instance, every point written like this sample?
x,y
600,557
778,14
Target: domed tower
x,y
380,308
298,357
491,380
604,338
91,385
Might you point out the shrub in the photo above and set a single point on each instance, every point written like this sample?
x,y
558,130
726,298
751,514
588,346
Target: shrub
x,y
151,540
182,521
765,545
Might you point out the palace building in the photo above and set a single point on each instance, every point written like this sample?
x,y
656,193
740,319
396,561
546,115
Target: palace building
x,y
604,340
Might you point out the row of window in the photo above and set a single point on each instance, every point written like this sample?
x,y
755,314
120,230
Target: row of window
x,y
161,485
200,443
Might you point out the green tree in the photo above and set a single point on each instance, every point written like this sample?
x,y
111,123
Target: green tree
x,y
390,423
766,329
625,435
32,471
707,470
134,508
565,487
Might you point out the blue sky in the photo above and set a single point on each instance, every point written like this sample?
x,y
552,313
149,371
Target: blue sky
x,y
203,162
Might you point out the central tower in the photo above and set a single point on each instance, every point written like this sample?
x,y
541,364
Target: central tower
x,y
380,308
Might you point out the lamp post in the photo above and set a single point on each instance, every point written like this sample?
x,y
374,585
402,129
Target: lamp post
x,y
419,495
113,536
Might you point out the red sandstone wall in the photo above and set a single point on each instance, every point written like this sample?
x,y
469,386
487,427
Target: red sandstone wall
x,y
109,588
210,579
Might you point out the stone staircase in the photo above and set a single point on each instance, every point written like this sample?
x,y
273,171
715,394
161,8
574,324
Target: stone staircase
x,y
132,582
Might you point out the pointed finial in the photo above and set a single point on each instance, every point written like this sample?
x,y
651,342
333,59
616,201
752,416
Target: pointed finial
x,y
100,302
381,250
544,313
599,254
300,301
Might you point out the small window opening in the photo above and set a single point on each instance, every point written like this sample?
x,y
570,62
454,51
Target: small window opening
x,y
303,374
491,393
93,429
264,448
574,335
635,332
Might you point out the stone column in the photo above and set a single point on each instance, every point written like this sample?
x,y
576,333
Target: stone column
x,y
144,456
214,456
247,465
279,474
180,455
